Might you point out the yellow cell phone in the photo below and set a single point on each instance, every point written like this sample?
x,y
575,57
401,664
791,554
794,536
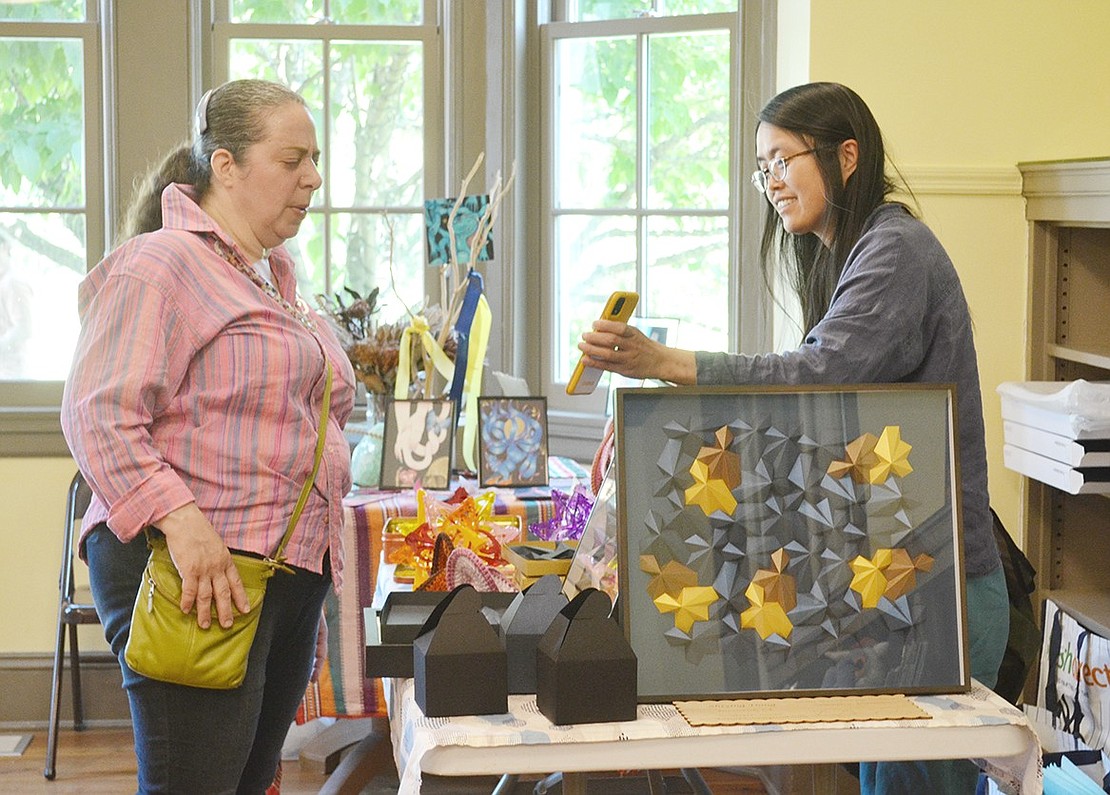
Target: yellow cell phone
x,y
620,306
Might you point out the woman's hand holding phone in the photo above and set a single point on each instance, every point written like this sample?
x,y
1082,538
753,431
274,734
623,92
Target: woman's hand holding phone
x,y
619,307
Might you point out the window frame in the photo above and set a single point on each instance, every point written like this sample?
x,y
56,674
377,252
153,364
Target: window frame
x,y
30,424
752,81
429,34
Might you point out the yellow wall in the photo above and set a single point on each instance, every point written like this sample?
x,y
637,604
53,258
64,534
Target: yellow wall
x,y
33,493
965,91
962,91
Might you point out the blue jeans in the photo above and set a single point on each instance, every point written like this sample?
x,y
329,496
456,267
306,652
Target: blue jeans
x,y
988,619
191,740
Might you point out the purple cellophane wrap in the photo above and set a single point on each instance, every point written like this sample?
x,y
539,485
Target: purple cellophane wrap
x,y
571,512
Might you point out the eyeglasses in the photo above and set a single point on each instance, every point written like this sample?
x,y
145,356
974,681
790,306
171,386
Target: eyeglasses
x,y
776,168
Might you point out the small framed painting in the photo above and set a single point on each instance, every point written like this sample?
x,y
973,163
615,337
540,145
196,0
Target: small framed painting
x,y
416,447
791,540
512,433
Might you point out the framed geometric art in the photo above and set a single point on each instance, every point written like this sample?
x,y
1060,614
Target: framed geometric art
x,y
512,434
416,444
790,541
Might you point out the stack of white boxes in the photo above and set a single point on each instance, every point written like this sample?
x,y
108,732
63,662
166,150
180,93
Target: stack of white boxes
x,y
1058,433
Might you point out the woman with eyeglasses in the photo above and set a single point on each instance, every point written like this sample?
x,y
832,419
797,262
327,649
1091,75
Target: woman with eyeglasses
x,y
882,303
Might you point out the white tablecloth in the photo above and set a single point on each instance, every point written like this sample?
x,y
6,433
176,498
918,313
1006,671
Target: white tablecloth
x,y
414,735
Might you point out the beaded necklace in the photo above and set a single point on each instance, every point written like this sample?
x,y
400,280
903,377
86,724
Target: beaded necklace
x,y
298,310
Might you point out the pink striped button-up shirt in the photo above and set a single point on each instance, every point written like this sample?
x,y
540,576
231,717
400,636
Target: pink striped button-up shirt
x,y
190,383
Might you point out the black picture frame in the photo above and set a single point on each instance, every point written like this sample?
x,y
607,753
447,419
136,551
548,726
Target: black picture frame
x,y
512,441
417,440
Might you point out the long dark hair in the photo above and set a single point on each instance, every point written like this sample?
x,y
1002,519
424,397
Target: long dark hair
x,y
825,115
230,117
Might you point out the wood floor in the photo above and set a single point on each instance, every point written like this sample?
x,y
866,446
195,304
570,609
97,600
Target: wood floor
x,y
102,761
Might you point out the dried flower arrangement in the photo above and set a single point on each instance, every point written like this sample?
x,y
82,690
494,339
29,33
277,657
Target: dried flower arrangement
x,y
374,348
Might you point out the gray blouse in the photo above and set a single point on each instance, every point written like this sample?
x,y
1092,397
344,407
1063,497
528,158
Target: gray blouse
x,y
898,314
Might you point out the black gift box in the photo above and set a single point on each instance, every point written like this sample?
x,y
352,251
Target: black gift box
x,y
524,623
389,643
459,665
585,669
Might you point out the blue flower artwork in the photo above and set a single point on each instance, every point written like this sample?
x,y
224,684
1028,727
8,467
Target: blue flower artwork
x,y
466,223
513,435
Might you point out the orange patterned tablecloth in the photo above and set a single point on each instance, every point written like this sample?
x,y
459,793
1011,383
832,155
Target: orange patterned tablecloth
x,y
343,691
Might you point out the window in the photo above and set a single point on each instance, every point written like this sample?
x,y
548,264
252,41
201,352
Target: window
x,y
51,216
649,137
51,207
367,69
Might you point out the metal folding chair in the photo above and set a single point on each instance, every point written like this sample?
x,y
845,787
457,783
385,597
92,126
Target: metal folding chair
x,y
71,612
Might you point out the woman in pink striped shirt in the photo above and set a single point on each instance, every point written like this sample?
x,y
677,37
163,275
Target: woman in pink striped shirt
x,y
193,408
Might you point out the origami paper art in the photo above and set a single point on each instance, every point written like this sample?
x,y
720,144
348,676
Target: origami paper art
x,y
868,580
811,538
672,578
709,493
888,573
721,463
893,455
765,616
691,604
777,585
859,457
901,572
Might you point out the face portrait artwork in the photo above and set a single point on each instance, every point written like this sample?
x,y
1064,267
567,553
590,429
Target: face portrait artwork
x,y
513,435
417,440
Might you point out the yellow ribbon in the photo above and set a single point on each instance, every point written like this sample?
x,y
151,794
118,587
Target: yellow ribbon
x,y
420,329
472,383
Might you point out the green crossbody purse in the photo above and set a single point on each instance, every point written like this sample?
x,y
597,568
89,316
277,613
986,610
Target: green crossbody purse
x,y
168,645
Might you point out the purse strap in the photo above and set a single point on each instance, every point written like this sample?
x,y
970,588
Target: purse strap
x,y
278,557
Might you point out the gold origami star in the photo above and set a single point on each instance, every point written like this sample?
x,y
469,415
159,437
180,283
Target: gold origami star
x,y
690,605
709,493
893,456
671,579
868,579
764,616
778,586
859,457
901,574
722,463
